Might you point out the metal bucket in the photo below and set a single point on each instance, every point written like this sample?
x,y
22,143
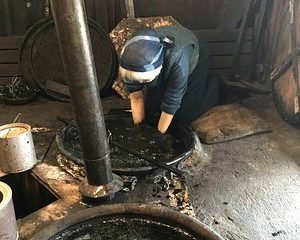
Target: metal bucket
x,y
8,224
17,153
128,221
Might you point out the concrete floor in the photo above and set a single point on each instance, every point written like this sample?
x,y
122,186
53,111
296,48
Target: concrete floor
x,y
250,188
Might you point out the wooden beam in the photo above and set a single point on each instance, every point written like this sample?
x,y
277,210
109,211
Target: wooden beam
x,y
9,56
7,17
222,35
227,72
225,61
228,48
11,42
9,70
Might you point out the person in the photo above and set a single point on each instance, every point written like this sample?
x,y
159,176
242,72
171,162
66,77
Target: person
x,y
166,71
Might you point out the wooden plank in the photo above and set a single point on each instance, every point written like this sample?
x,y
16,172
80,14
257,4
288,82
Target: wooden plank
x,y
227,72
9,56
18,13
34,12
225,61
9,70
228,48
295,34
194,14
2,19
222,35
12,42
7,17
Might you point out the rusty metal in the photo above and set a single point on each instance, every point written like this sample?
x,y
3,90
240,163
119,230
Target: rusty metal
x,y
294,38
17,151
74,41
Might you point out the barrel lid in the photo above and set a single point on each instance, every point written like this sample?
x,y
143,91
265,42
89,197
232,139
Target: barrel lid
x,y
41,60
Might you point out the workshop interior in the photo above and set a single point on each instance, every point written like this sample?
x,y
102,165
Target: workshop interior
x,y
149,120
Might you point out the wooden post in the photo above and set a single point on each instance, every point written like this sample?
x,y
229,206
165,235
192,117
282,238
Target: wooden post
x,y
295,38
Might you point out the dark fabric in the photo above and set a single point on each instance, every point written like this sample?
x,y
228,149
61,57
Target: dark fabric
x,y
139,55
186,96
181,38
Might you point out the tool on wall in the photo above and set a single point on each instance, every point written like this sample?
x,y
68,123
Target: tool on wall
x,y
240,39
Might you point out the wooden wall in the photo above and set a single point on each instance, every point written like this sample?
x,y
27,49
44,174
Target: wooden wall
x,y
277,43
16,16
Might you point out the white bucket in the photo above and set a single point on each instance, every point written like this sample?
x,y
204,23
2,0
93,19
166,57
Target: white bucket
x,y
17,153
8,223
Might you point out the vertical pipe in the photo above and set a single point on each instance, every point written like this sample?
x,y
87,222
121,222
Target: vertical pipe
x,y
75,45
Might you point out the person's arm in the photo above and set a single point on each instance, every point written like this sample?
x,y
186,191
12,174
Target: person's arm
x,y
137,106
164,122
177,85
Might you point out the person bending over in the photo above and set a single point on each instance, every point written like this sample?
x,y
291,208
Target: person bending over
x,y
166,72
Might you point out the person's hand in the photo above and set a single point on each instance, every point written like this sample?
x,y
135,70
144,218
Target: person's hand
x,y
164,122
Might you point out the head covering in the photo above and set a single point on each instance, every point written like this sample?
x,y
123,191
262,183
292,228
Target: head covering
x,y
142,56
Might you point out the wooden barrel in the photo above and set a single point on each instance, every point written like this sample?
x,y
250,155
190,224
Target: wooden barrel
x,y
284,28
41,61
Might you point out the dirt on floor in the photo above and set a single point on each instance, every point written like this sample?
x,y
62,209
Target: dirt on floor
x,y
250,189
247,189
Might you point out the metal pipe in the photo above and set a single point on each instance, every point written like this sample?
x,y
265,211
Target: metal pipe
x,y
75,45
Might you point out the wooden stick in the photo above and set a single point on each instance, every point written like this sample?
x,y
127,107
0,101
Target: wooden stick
x,y
15,120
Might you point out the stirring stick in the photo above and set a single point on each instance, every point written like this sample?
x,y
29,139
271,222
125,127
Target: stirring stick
x,y
16,119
